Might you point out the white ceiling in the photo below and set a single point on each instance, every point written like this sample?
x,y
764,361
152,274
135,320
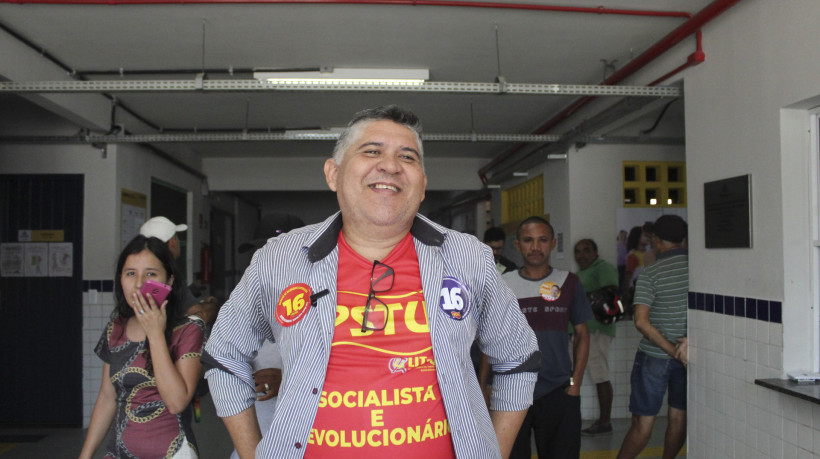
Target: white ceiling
x,y
457,44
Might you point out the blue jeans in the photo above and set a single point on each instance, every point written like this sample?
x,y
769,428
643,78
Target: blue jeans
x,y
651,376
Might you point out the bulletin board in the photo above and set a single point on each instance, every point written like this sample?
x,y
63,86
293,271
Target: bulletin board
x,y
133,210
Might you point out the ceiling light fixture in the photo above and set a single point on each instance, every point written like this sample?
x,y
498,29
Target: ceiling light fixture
x,y
346,76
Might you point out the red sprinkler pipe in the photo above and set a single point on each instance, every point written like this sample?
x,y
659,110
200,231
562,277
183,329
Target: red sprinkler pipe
x,y
693,25
694,59
451,3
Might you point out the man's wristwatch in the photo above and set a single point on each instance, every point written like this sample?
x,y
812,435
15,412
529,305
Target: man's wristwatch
x,y
571,381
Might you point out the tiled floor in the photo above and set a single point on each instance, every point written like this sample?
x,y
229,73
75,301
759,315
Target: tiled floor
x,y
214,442
211,436
606,446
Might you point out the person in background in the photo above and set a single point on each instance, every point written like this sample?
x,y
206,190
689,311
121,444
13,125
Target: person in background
x,y
650,252
206,309
552,300
635,245
197,288
595,273
622,251
166,231
495,238
151,353
377,299
660,362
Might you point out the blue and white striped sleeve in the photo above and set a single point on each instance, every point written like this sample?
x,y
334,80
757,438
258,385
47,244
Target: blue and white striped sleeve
x,y
238,333
509,343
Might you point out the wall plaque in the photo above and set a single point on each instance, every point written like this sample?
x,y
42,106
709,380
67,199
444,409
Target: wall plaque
x,y
728,207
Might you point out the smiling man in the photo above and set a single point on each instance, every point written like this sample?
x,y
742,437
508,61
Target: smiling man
x,y
374,311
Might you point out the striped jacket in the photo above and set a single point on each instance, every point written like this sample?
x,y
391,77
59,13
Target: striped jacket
x,y
309,255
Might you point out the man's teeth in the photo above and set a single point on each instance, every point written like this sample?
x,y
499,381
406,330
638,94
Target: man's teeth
x,y
385,187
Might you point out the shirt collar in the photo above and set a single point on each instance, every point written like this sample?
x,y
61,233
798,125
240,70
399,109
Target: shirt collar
x,y
422,229
521,275
597,261
672,253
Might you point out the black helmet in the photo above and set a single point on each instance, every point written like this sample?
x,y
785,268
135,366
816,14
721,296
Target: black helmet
x,y
606,304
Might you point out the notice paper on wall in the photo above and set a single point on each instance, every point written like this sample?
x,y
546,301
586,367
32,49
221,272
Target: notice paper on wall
x,y
37,259
11,260
803,376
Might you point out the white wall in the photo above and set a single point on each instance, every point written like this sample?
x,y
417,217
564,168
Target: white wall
x,y
761,58
556,204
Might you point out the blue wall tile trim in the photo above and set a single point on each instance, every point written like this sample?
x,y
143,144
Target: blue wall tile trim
x,y
751,308
105,285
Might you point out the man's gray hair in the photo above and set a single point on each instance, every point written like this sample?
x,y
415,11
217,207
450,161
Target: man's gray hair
x,y
392,113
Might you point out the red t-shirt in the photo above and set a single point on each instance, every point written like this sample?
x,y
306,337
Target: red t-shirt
x,y
381,396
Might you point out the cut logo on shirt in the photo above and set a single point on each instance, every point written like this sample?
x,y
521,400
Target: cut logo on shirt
x,y
397,365
293,304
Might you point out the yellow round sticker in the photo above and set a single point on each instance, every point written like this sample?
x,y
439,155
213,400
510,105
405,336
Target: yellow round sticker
x,y
293,304
550,291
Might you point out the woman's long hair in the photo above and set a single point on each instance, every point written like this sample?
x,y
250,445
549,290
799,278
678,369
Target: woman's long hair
x,y
173,310
634,238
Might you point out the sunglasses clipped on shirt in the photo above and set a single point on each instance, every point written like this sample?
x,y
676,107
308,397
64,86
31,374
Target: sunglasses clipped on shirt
x,y
375,311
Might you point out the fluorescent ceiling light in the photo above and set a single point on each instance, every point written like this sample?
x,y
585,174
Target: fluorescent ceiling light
x,y
347,76
314,134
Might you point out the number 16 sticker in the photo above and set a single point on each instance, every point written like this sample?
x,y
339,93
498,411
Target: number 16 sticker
x,y
455,298
293,304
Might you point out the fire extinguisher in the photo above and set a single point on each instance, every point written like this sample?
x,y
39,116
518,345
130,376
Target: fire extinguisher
x,y
205,261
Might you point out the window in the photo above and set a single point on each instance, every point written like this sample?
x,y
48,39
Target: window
x,y
522,201
654,184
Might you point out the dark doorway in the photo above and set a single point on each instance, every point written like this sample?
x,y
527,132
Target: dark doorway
x,y
223,262
171,201
41,311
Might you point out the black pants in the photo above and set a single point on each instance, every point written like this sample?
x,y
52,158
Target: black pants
x,y
556,420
